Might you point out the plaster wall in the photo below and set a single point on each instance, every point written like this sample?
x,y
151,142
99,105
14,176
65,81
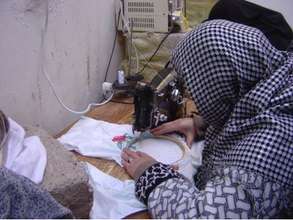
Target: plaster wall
x,y
71,40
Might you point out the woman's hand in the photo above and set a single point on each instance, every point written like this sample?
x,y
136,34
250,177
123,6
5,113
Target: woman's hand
x,y
135,163
186,126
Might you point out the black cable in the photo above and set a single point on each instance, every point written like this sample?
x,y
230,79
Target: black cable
x,y
167,64
159,46
114,44
156,51
185,8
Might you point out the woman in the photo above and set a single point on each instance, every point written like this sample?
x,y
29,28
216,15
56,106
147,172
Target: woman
x,y
243,89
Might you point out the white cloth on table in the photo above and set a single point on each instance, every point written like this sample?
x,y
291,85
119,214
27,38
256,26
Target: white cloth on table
x,y
94,138
24,156
113,198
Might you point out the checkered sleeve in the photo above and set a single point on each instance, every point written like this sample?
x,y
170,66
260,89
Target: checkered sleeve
x,y
223,197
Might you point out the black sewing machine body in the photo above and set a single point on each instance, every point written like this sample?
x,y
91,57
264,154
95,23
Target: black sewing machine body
x,y
159,101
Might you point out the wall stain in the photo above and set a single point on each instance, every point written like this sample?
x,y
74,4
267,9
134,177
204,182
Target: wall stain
x,y
34,6
39,92
34,96
42,55
88,71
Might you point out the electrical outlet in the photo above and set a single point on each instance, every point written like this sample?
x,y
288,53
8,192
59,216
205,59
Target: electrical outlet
x,y
107,89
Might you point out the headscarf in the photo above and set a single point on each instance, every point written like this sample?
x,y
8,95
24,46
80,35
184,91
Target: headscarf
x,y
243,88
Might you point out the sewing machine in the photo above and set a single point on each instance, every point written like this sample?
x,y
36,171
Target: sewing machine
x,y
159,101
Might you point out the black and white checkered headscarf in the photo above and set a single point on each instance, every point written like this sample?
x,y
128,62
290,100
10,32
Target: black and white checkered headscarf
x,y
243,88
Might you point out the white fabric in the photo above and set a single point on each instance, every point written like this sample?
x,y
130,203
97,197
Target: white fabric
x,y
93,138
113,198
196,153
24,156
169,152
191,165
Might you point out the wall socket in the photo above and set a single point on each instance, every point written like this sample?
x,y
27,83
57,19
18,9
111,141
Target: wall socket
x,y
107,89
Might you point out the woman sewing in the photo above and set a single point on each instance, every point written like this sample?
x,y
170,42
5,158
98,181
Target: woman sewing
x,y
243,89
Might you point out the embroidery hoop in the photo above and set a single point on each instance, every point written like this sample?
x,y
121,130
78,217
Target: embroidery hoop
x,y
183,146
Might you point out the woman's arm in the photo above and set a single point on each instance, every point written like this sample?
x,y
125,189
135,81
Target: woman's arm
x,y
169,195
191,128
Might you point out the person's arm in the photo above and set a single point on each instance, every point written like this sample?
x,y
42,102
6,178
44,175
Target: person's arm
x,y
232,194
191,128
169,195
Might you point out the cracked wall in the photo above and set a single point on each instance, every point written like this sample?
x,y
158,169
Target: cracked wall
x,y
71,41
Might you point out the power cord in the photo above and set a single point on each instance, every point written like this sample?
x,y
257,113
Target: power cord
x,y
156,51
114,45
126,24
69,109
43,50
129,31
159,46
